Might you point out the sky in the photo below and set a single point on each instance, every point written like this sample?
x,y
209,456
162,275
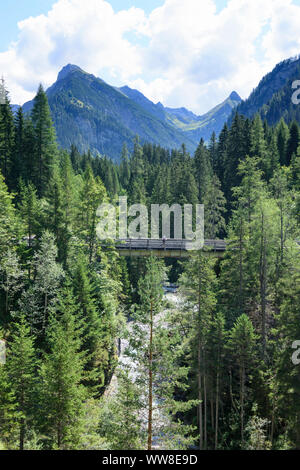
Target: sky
x,y
189,53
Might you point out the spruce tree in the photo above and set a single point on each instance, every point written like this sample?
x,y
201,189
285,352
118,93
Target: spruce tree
x,y
10,229
38,300
92,194
62,373
241,345
293,142
203,170
46,148
17,161
8,411
6,140
283,136
93,343
21,367
121,421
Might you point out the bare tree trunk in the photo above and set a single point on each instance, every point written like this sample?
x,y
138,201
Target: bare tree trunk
x,y
200,414
263,288
6,295
205,403
212,412
150,405
200,406
241,276
22,434
272,424
22,422
242,400
217,411
59,435
281,234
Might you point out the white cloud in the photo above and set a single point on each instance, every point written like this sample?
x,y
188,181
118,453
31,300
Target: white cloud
x,y
183,54
87,33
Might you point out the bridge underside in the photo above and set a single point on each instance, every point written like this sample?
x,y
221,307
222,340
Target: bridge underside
x,y
172,248
166,253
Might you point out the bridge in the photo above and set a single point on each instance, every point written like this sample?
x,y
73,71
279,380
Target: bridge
x,y
169,248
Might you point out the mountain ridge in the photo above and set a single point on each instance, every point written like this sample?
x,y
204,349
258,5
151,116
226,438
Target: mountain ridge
x,y
94,115
271,98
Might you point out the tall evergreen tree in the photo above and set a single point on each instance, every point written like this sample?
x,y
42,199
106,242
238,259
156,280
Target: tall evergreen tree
x,y
62,372
198,283
46,148
6,139
203,170
242,347
21,366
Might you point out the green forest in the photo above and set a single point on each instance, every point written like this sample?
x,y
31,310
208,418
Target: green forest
x,y
217,369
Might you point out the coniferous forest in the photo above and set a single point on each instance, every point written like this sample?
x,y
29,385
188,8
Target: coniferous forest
x,y
97,356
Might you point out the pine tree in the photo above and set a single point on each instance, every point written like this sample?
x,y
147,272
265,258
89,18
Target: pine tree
x,y
68,201
203,170
283,136
84,292
125,168
46,149
30,211
288,379
213,150
198,283
17,161
38,300
21,367
30,156
92,194
10,230
216,353
61,375
241,345
8,411
6,139
236,273
121,423
258,147
11,277
293,142
236,151
222,154
214,207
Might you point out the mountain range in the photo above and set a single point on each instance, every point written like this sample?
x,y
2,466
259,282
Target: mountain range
x,y
93,115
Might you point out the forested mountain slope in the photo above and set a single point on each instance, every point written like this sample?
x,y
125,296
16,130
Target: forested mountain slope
x,y
91,114
272,97
195,127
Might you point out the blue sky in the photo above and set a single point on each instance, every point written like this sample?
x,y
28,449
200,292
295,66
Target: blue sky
x,y
183,53
17,10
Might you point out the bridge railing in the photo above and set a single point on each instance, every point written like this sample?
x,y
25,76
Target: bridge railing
x,y
168,244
